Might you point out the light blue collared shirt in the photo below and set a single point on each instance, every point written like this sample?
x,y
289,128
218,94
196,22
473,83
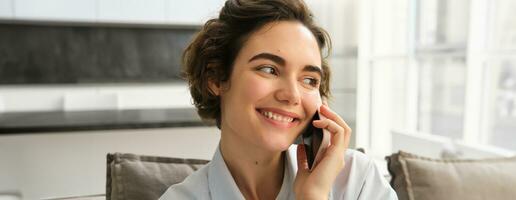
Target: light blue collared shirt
x,y
360,179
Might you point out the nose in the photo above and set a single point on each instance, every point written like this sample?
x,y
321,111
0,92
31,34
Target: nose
x,y
288,92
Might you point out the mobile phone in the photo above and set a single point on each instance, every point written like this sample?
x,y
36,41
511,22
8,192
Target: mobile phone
x,y
315,140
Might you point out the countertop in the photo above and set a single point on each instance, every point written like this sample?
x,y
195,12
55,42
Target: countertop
x,y
32,122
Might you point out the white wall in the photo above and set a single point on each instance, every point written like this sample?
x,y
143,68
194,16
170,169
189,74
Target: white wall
x,y
67,164
117,11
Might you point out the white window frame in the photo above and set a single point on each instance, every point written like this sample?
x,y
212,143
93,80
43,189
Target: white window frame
x,y
474,126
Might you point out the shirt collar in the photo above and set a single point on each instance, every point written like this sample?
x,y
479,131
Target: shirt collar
x,y
287,188
221,183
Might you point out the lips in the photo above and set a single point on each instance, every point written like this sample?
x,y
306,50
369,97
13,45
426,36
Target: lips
x,y
279,118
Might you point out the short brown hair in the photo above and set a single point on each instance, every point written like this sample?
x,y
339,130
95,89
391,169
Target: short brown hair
x,y
210,56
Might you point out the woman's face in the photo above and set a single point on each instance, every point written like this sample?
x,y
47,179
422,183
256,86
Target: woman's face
x,y
274,87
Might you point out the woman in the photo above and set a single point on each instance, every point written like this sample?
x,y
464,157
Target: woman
x,y
258,71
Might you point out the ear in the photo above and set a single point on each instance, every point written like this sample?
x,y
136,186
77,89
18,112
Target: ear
x,y
214,87
324,101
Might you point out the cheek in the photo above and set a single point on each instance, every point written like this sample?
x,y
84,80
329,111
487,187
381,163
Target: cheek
x,y
256,88
311,101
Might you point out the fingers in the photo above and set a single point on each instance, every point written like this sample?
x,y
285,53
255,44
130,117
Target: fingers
x,y
332,126
335,124
325,110
337,131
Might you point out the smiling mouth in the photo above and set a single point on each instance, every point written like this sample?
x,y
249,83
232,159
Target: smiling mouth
x,y
277,117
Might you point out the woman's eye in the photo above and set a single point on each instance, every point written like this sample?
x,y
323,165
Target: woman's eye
x,y
311,81
268,70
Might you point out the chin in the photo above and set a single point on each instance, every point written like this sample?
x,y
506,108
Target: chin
x,y
277,143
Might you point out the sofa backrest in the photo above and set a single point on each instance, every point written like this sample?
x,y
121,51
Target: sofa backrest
x,y
137,177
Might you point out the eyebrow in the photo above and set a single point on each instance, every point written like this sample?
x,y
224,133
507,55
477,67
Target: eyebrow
x,y
279,60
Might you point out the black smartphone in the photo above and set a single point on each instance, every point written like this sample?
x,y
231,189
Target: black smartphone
x,y
315,140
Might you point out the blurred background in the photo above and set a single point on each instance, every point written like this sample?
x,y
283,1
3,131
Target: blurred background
x,y
81,78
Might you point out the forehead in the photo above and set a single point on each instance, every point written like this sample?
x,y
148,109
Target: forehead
x,y
288,39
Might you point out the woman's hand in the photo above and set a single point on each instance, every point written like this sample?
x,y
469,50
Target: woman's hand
x,y
316,184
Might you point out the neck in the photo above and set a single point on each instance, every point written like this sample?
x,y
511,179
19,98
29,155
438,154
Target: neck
x,y
258,173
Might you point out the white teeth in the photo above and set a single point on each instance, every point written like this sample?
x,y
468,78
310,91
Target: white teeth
x,y
277,117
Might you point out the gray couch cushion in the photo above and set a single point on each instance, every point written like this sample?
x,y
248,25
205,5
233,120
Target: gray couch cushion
x,y
87,197
418,178
136,177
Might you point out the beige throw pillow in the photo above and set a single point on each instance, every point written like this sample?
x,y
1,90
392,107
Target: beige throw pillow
x,y
135,177
419,178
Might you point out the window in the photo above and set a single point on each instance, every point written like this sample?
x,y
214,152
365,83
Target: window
x,y
500,118
500,76
445,68
441,94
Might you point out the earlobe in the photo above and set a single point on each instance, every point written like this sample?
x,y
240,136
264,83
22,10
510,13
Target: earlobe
x,y
324,101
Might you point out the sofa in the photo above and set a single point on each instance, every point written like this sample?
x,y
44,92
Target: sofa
x,y
413,177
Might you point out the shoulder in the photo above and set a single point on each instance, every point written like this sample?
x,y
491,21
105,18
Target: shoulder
x,y
195,186
361,179
357,166
358,161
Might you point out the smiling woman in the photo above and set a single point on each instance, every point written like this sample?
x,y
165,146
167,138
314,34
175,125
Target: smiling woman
x,y
259,73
